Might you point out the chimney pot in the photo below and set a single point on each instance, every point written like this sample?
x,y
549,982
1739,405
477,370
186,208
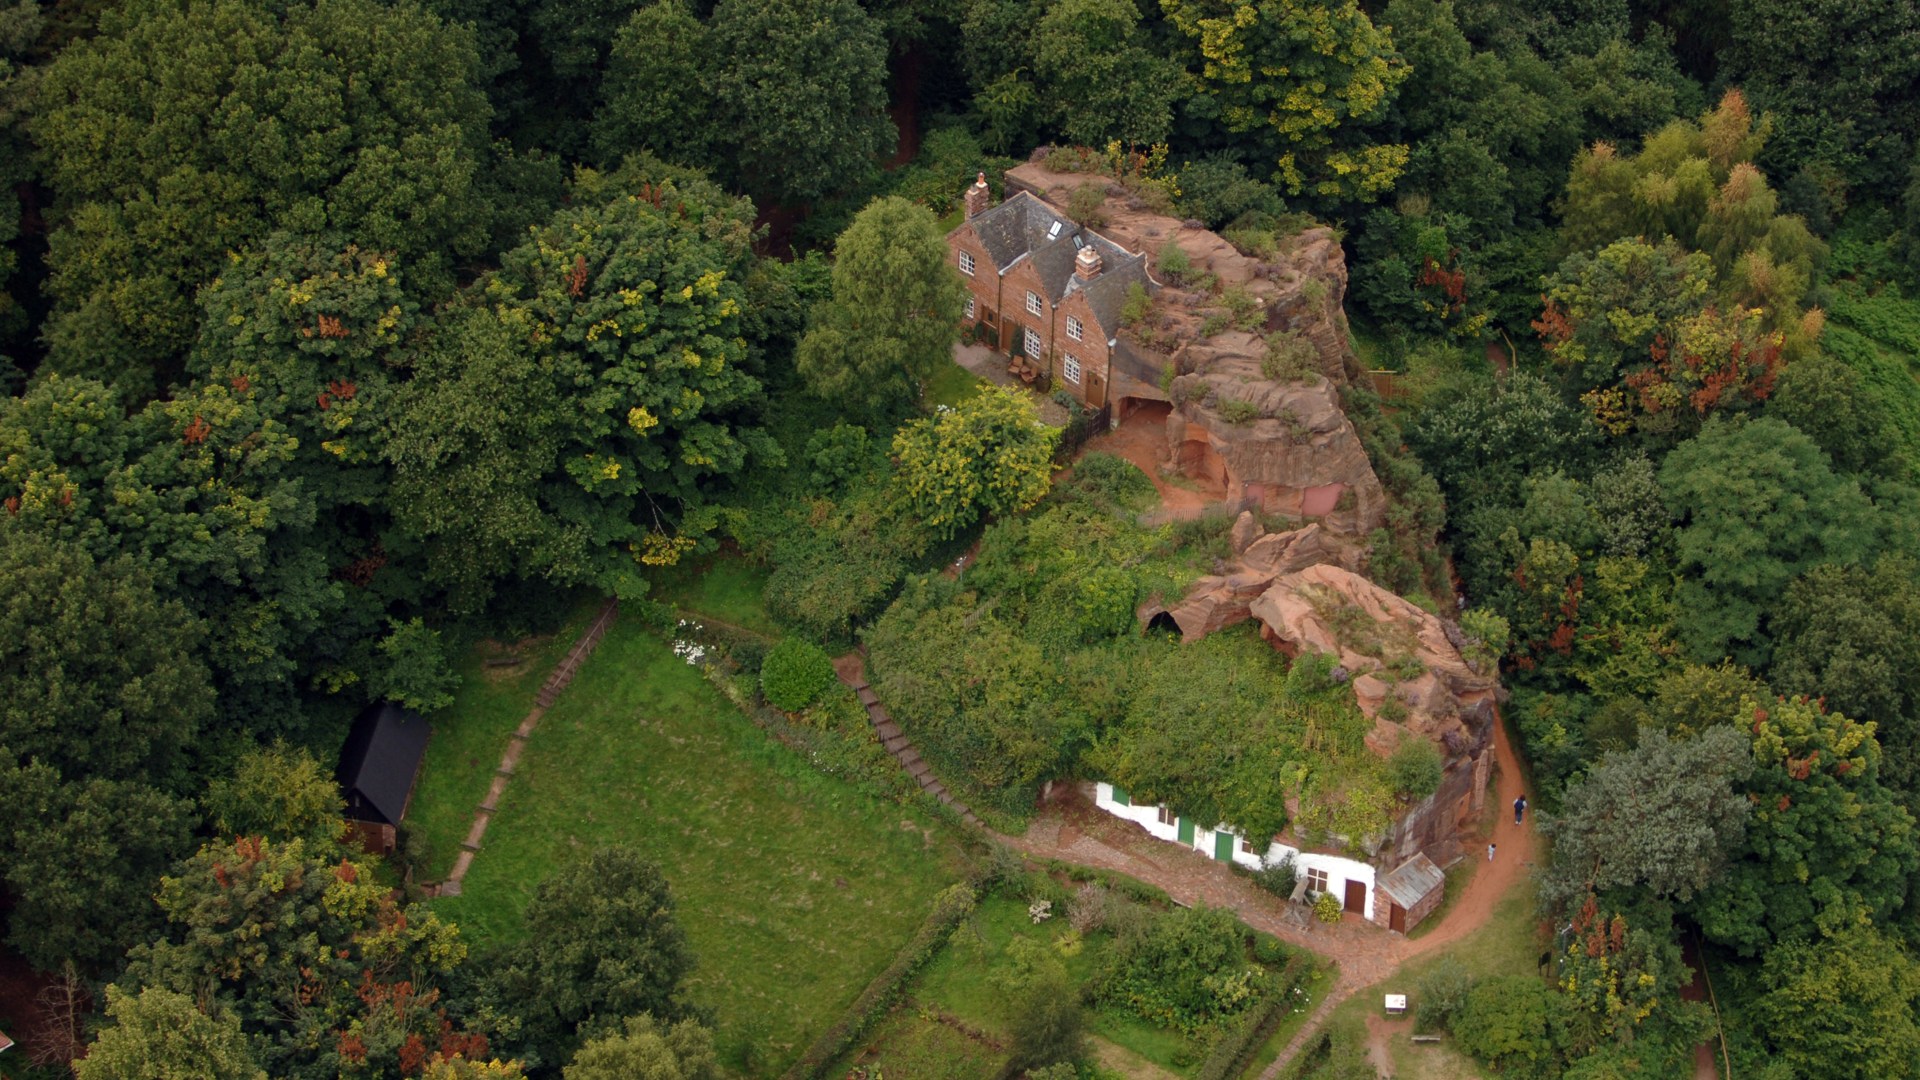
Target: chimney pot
x,y
978,196
1087,264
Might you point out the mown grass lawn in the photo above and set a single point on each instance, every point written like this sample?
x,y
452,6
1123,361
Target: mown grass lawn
x,y
470,735
724,587
794,889
951,384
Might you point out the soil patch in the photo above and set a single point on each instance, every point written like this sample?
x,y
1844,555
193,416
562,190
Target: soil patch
x,y
1142,439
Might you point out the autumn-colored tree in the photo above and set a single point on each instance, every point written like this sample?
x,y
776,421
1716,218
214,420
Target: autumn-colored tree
x,y
325,972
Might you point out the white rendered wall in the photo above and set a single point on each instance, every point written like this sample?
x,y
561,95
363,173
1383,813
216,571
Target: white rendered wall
x,y
1339,870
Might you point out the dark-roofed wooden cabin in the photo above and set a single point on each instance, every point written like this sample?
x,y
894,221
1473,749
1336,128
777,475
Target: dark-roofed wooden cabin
x,y
377,769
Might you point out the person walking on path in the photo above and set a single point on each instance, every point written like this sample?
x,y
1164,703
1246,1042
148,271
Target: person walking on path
x,y
1519,809
1490,849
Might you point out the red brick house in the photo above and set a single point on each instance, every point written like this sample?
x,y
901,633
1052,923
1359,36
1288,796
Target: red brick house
x,y
1041,287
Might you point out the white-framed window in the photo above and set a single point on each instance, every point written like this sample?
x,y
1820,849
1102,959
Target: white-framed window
x,y
1075,328
966,263
1072,369
1033,342
1317,881
970,307
1167,816
1033,303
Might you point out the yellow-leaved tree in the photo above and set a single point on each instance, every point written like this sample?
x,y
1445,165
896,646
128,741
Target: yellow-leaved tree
x,y
987,455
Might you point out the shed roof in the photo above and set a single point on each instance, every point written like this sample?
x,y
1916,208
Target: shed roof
x,y
4,1041
379,761
1412,881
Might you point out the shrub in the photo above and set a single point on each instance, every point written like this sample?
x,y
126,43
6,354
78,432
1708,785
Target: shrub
x,y
1086,204
1440,995
837,456
1290,357
1235,411
1137,304
1186,969
1327,908
1174,262
1109,482
1279,878
1415,768
1214,322
1087,911
1508,1023
1255,243
794,674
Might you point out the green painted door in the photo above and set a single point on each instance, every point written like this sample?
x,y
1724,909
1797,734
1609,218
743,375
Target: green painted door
x,y
1186,830
1120,796
1223,846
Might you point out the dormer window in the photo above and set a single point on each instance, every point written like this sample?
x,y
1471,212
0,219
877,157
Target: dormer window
x,y
966,263
1033,303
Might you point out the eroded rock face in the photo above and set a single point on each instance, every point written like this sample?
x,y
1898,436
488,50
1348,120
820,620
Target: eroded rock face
x,y
1395,651
1283,447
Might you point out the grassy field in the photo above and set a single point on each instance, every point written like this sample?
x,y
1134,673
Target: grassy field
x,y
794,889
470,735
722,587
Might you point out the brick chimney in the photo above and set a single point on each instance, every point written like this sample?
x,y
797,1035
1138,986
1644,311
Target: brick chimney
x,y
1086,265
978,196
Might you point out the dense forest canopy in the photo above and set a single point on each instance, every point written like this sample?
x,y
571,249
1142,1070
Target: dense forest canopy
x,y
338,334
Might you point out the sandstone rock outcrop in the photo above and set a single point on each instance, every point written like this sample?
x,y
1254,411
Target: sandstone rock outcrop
x,y
1277,441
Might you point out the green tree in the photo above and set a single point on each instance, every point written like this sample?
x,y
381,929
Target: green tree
x,y
1511,1022
1042,1008
161,1035
190,128
601,944
1842,78
1827,846
598,399
1094,64
895,311
1299,80
98,672
416,672
324,972
647,1050
279,792
1842,1008
988,455
81,860
658,93
1662,817
802,98
1760,505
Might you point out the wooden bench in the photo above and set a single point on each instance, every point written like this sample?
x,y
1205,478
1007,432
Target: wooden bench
x,y
1425,1038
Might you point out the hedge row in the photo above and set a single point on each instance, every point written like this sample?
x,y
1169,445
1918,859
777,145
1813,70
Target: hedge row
x,y
1230,1054
953,905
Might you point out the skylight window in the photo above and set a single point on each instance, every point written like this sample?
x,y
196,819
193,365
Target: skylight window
x,y
1054,231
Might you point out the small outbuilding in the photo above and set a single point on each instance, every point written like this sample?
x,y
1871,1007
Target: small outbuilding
x,y
378,766
1412,890
5,1043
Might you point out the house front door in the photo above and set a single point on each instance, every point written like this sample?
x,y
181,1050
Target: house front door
x,y
1185,828
1356,897
1223,846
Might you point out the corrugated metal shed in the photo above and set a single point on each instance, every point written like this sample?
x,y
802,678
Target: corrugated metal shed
x,y
1413,880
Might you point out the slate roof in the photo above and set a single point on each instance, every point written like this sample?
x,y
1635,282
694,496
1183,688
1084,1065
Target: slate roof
x,y
1412,881
1025,226
380,760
